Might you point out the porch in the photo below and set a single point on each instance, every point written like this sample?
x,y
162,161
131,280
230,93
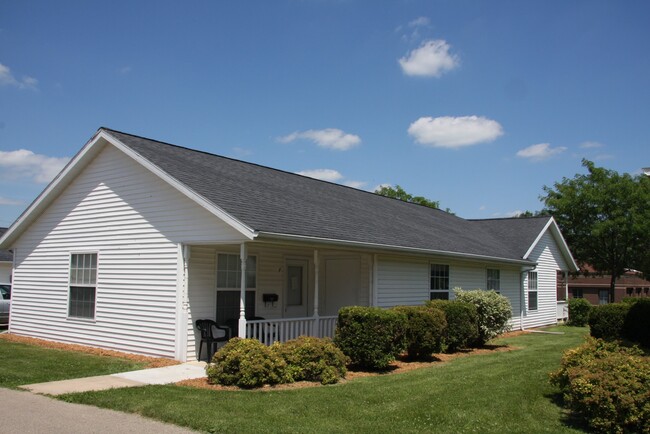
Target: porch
x,y
272,292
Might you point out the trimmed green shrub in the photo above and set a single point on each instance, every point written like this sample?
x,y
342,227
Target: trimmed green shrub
x,y
425,328
579,309
370,336
313,359
637,322
607,385
493,312
462,323
606,321
247,363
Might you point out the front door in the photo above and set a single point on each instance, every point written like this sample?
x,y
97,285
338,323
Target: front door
x,y
296,293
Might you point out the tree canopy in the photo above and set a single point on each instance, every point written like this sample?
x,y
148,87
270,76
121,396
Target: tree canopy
x,y
604,217
399,193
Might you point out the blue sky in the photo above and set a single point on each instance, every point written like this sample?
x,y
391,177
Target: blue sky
x,y
475,104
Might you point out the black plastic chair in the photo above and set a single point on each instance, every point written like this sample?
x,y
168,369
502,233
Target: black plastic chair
x,y
206,327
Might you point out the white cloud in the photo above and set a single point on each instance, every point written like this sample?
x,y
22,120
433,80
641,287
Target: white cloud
x,y
431,59
540,152
8,79
380,186
454,132
419,21
355,184
26,164
124,70
591,145
330,175
331,138
5,201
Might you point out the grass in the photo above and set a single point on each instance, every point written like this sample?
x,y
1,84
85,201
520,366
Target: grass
x,y
27,364
498,392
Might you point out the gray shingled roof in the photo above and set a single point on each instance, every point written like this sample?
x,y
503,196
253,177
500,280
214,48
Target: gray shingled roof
x,y
273,201
5,255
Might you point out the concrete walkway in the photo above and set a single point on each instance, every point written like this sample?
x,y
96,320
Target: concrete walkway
x,y
26,413
166,375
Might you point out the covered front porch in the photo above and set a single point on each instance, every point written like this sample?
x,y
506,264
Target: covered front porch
x,y
271,291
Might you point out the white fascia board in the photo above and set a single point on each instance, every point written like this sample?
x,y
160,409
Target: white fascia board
x,y
261,235
238,225
557,234
87,152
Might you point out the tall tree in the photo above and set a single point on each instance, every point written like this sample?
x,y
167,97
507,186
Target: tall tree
x,y
605,218
399,193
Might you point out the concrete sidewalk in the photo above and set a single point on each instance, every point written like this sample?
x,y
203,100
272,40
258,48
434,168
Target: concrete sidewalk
x,y
166,375
26,413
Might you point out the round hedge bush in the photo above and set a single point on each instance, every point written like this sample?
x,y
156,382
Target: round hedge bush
x,y
606,321
462,323
313,359
425,329
579,310
637,322
493,312
371,337
247,363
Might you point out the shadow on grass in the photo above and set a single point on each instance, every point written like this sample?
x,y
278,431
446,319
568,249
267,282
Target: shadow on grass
x,y
569,418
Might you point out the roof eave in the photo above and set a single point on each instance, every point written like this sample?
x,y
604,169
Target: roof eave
x,y
79,161
235,223
564,247
60,181
263,235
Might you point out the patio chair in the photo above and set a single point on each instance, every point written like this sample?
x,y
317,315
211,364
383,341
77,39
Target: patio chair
x,y
207,328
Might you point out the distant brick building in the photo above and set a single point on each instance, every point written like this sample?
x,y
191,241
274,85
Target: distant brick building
x,y
595,288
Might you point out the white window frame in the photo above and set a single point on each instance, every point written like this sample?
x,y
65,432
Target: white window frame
x,y
237,286
73,282
431,277
488,279
533,288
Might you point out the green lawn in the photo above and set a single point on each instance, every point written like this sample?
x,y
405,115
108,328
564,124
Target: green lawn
x,y
498,392
27,364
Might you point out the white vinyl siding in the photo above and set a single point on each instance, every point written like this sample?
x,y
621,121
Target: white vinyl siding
x,y
136,221
549,259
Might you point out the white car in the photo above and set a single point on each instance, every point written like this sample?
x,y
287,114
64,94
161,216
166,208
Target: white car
x,y
5,302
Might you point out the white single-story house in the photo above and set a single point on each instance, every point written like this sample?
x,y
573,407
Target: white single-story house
x,y
136,239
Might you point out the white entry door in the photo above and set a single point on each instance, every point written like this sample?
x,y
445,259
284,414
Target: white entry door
x,y
341,284
296,293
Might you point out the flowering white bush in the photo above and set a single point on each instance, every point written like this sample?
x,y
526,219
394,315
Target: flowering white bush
x,y
493,311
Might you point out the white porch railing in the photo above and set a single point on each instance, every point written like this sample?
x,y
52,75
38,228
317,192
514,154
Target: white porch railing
x,y
562,310
268,331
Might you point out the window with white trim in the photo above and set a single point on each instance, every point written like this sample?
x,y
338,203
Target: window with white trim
x,y
83,285
532,290
439,286
493,280
229,271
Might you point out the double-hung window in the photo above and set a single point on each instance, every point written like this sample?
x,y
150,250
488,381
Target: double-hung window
x,y
493,280
228,288
83,285
532,290
439,289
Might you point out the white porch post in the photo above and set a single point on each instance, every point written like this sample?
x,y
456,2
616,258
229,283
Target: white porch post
x,y
243,255
182,288
316,331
